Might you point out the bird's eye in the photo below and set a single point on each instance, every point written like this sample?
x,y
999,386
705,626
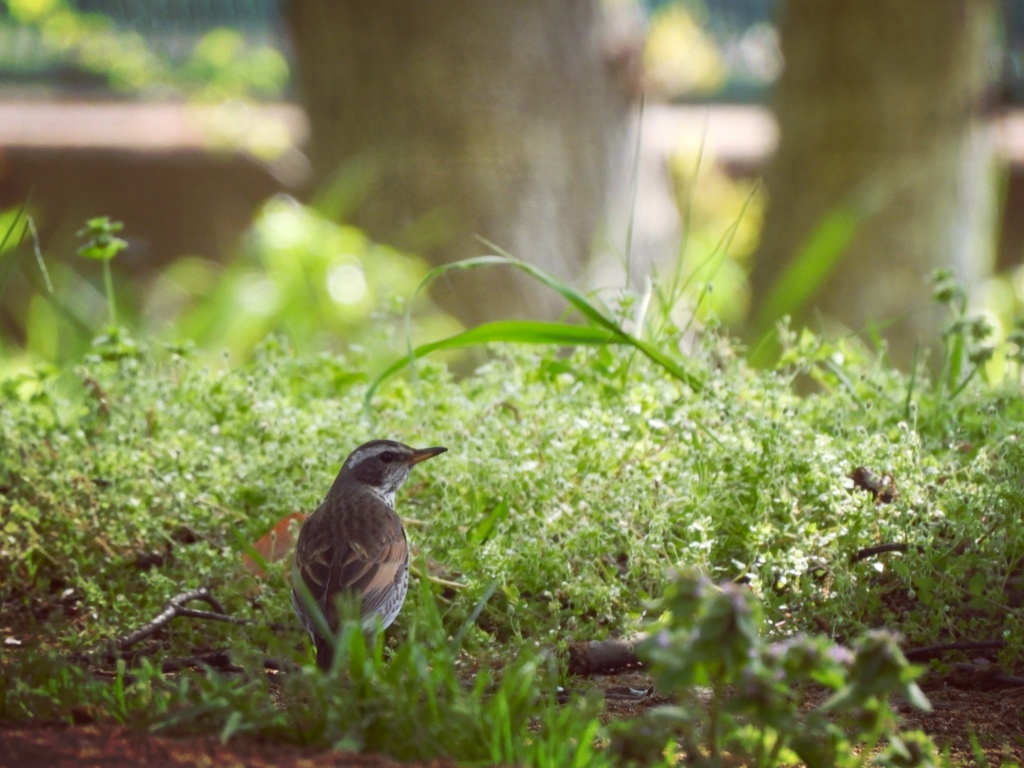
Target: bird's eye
x,y
387,457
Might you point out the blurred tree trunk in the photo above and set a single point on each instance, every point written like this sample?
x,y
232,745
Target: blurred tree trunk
x,y
880,109
455,118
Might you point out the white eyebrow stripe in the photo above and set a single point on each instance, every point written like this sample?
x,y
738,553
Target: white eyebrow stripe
x,y
367,451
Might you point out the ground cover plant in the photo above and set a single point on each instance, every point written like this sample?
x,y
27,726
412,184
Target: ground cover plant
x,y
584,474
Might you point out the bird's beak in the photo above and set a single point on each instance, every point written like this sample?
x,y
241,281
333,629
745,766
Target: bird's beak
x,y
424,454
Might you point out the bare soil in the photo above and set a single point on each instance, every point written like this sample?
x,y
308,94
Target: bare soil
x,y
106,746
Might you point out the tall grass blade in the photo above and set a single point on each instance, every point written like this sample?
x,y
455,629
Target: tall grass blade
x,y
9,262
675,287
456,642
634,182
718,255
520,332
30,225
813,264
603,329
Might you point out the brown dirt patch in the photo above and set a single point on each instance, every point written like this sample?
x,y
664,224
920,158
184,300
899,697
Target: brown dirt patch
x,y
106,746
994,717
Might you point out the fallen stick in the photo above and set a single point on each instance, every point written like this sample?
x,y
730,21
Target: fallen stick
x,y
927,652
176,607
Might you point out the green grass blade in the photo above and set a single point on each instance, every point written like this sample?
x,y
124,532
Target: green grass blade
x,y
31,227
589,311
8,263
19,215
812,265
675,288
515,331
532,331
634,178
579,302
503,258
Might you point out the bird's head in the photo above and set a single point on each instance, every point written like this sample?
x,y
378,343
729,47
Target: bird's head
x,y
384,465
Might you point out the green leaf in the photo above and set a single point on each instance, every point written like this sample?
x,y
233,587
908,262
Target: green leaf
x,y
101,244
104,251
916,698
482,531
976,585
231,727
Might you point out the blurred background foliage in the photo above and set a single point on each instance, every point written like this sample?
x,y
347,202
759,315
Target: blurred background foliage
x,y
148,50
296,271
323,284
300,272
700,52
722,215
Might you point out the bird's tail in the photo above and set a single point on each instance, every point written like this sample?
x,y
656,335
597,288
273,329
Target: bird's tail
x,y
324,652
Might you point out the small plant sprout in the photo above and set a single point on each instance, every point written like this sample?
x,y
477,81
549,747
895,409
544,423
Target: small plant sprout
x,y
967,338
103,245
760,712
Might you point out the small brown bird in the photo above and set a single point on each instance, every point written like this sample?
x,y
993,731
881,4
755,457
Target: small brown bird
x,y
354,545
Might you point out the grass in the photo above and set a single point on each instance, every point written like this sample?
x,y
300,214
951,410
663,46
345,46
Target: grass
x,y
577,480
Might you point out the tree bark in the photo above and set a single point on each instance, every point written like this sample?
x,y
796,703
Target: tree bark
x,y
879,109
457,118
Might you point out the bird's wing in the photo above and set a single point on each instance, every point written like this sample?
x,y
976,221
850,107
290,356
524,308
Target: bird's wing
x,y
362,555
380,574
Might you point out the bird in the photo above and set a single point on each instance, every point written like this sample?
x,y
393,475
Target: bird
x,y
353,547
